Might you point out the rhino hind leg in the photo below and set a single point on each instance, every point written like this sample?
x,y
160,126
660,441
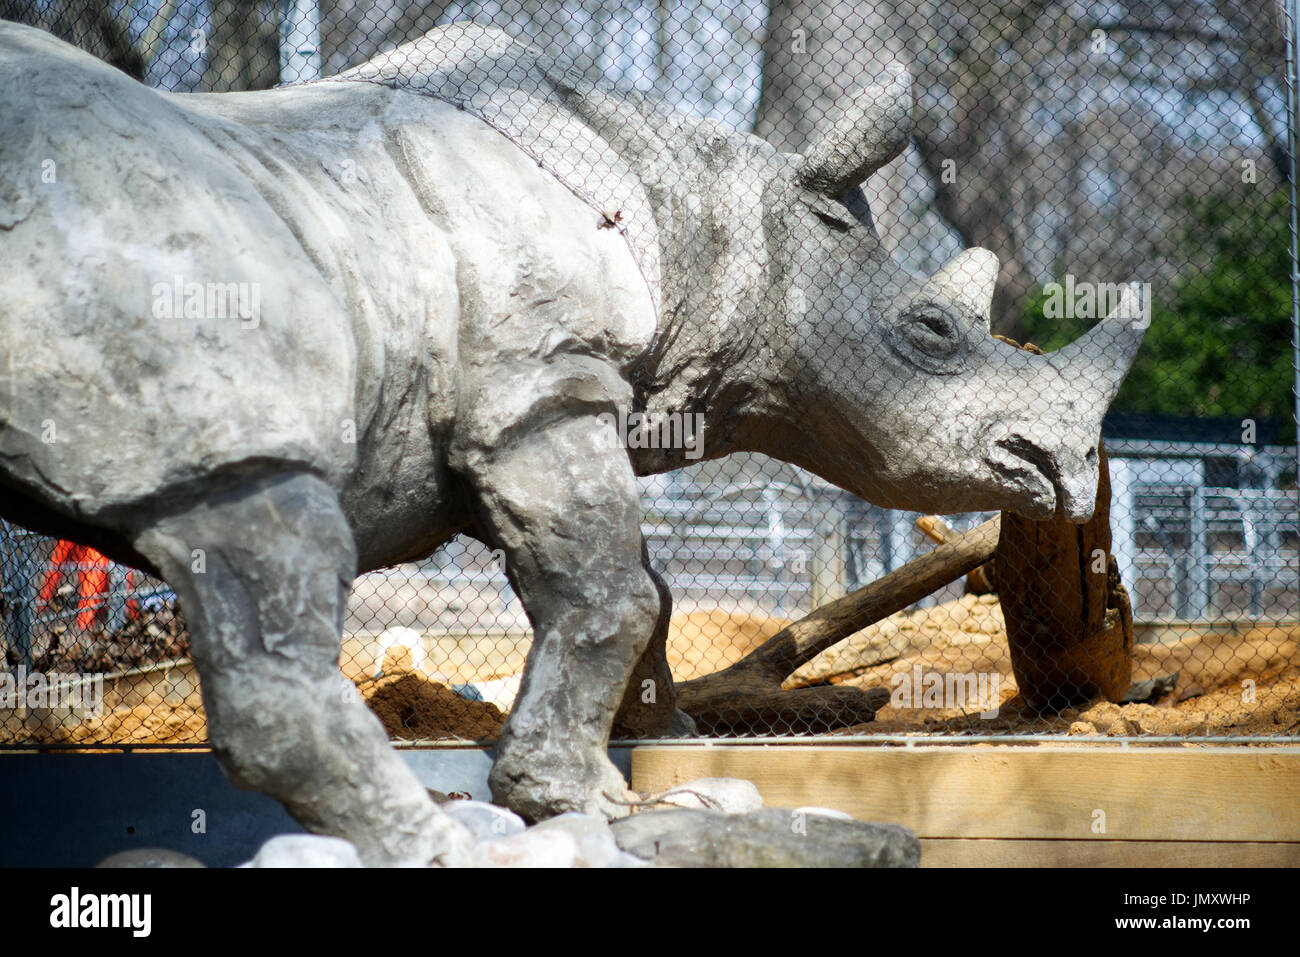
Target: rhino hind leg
x,y
563,505
649,708
263,572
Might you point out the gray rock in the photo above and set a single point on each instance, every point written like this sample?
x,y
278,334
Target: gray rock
x,y
730,795
306,850
485,822
1151,690
772,837
150,857
468,691
825,812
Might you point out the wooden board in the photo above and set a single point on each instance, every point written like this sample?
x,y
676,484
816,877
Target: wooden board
x,y
1145,794
958,852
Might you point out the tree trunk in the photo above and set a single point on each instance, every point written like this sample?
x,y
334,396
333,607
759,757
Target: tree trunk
x,y
1069,621
243,47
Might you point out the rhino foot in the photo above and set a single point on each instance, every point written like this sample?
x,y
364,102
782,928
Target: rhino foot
x,y
561,501
538,786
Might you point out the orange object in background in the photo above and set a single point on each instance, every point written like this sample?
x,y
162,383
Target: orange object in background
x,y
92,584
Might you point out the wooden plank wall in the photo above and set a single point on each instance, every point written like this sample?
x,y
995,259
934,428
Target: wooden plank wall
x,y
1048,806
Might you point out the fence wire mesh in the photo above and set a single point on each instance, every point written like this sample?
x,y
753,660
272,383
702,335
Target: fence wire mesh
x,y
805,390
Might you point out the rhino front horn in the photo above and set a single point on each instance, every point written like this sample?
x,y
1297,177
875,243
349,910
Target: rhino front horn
x,y
866,134
1099,360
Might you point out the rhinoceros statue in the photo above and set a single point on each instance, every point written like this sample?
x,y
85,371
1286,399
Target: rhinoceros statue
x,y
259,343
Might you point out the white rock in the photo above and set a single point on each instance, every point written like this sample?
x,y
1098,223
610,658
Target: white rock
x,y
150,857
306,850
825,812
630,860
596,844
500,691
532,848
731,795
486,822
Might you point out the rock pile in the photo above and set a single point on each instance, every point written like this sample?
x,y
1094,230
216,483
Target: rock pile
x,y
713,822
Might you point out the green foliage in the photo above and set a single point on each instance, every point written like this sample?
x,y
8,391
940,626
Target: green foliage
x,y
1220,337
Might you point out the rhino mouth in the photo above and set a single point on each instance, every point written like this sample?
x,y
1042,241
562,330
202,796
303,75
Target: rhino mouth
x,y
1031,471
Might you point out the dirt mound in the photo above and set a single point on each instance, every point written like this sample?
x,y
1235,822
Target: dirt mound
x,y
414,708
968,620
410,704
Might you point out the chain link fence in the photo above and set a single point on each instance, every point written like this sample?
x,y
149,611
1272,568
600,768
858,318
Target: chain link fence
x,y
1094,148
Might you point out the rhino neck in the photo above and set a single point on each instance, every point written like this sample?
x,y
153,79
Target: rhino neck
x,y
725,406
713,358
716,353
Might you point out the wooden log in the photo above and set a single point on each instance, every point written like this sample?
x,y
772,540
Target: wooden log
x,y
749,692
981,580
1069,621
803,640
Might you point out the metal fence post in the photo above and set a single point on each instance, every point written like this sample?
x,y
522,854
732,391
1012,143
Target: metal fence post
x,y
116,617
827,553
1123,530
299,41
1292,30
20,572
1197,556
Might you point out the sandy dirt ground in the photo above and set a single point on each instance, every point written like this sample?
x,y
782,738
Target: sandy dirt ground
x,y
702,642
411,704
1246,683
1242,684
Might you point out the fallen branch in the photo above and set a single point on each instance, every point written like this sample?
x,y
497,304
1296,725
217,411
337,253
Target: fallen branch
x,y
981,580
749,692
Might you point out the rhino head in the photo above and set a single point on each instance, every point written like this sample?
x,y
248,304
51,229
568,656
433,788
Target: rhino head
x,y
903,395
795,332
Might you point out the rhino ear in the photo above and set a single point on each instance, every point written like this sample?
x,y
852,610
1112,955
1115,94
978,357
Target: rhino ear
x,y
868,132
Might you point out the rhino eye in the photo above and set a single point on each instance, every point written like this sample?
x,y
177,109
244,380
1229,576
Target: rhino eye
x,y
832,214
934,334
930,338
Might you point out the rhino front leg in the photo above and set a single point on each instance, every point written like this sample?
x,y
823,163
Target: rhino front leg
x,y
564,506
263,572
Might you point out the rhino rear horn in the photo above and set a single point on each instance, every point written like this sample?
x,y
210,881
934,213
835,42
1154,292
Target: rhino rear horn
x,y
969,279
866,134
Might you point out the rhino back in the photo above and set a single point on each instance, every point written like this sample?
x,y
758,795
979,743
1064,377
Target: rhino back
x,y
528,98
524,297
397,247
156,200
